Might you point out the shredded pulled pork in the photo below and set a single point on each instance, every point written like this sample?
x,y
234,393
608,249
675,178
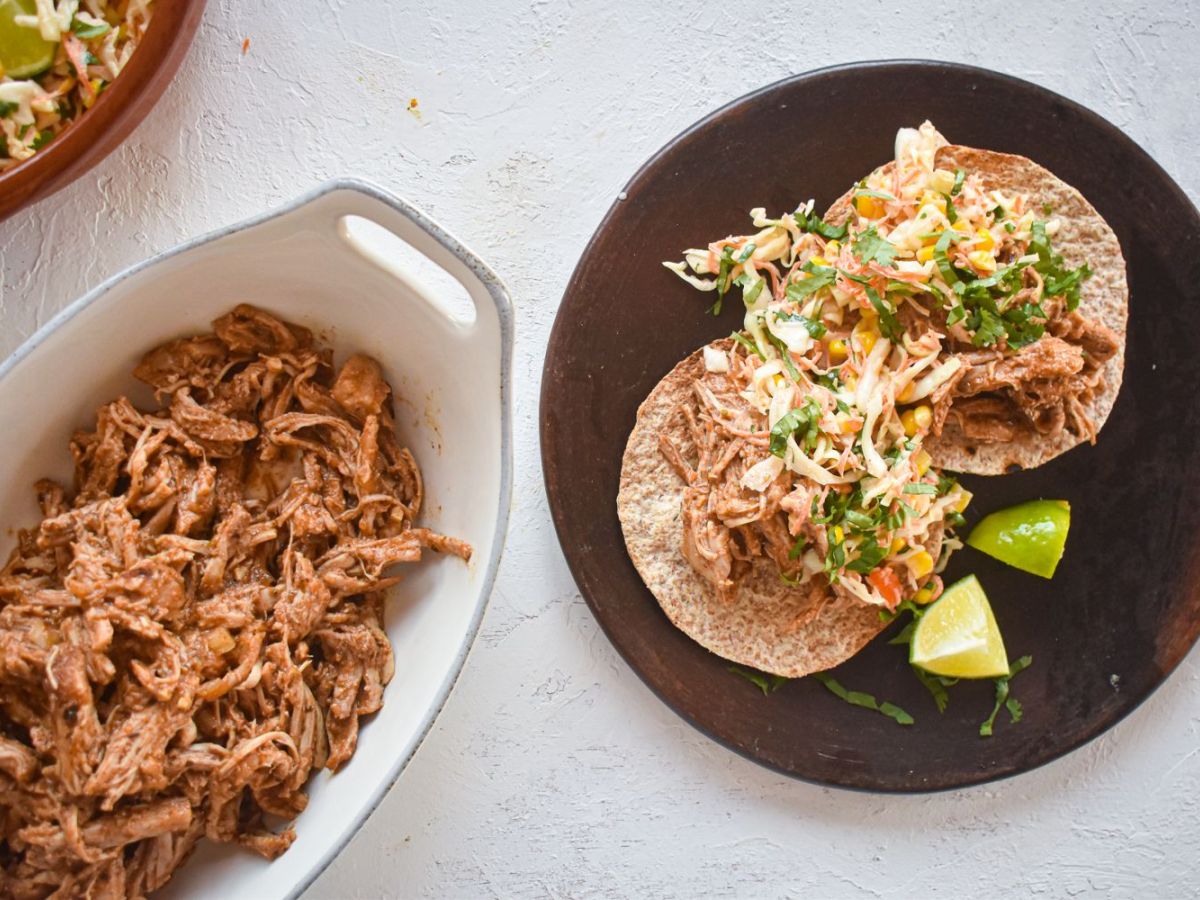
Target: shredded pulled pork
x,y
742,502
1046,386
199,628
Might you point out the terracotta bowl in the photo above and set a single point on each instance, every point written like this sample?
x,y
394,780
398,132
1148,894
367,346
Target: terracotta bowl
x,y
115,114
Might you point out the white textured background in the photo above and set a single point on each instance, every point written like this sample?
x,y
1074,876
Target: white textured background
x,y
553,772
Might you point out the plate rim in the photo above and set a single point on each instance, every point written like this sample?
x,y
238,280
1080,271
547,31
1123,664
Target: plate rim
x,y
550,468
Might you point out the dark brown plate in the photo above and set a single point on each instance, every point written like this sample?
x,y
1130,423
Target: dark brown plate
x,y
1122,610
115,113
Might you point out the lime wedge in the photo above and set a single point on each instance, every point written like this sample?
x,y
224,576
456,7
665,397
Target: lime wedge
x,y
23,53
958,637
1029,536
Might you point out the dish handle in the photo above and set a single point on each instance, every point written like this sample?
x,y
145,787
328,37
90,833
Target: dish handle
x,y
493,312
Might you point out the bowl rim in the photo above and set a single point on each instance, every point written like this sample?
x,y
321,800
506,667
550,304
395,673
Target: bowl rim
x,y
498,293
551,464
117,112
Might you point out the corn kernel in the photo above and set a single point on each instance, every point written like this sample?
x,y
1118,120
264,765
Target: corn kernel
x,y
869,207
962,226
982,260
819,260
920,564
923,596
964,502
925,254
837,351
898,544
866,341
942,181
833,248
916,419
923,461
838,535
984,239
929,198
906,395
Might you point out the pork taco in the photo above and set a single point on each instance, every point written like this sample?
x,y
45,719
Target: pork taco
x,y
784,489
1032,296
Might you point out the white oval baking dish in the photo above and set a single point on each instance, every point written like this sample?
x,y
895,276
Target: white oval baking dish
x,y
452,381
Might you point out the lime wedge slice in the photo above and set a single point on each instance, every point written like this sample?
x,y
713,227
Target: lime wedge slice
x,y
1029,536
958,637
23,53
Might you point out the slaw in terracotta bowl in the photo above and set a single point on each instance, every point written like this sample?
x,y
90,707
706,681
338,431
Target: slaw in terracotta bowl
x,y
117,110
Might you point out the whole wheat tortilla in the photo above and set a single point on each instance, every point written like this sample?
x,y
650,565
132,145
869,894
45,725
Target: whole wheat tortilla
x,y
1084,236
774,627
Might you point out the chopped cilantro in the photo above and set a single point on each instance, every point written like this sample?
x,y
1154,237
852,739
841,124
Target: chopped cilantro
x,y
812,326
870,554
960,175
879,195
86,32
723,269
951,212
751,288
989,329
801,419
797,548
748,344
784,354
768,684
813,223
889,325
1058,280
818,277
869,246
1003,698
936,687
858,698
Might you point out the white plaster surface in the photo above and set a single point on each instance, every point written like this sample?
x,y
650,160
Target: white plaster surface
x,y
553,772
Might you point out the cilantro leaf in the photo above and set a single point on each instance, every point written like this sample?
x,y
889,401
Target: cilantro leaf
x,y
818,277
812,326
748,344
723,269
768,684
86,32
1002,698
989,330
751,288
936,688
859,698
801,419
870,246
813,223
878,195
784,354
889,325
869,556
1058,280
960,176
